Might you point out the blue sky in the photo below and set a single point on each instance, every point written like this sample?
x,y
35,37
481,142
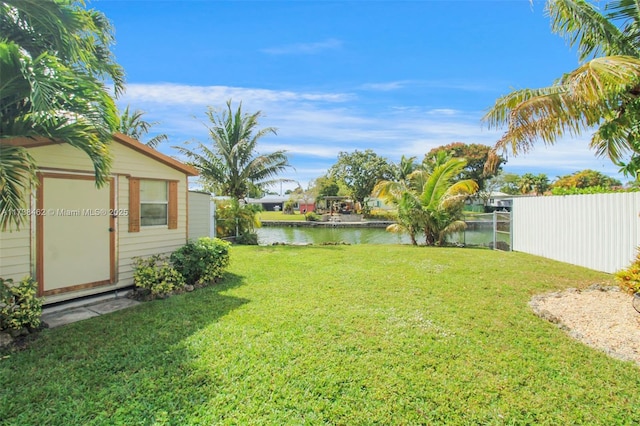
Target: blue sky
x,y
398,77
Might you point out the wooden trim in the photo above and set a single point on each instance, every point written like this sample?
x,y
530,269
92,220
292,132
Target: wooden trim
x,y
76,287
173,206
156,155
125,140
134,204
39,235
186,219
112,230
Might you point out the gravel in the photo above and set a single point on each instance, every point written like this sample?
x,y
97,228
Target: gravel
x,y
601,317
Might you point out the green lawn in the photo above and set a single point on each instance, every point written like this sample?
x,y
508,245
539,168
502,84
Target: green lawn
x,y
281,216
349,335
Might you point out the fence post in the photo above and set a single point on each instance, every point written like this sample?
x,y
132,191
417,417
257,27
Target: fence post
x,y
495,230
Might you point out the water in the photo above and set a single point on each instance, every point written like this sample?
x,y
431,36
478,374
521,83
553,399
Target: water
x,y
303,235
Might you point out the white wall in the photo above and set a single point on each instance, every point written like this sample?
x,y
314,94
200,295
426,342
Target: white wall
x,y
200,215
599,231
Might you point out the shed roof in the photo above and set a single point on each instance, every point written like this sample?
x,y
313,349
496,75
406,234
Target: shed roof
x,y
120,138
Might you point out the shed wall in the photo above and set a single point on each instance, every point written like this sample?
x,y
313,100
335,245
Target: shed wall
x,y
15,247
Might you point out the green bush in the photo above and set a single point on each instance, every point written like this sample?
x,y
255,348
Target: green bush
x,y
156,275
19,306
311,217
202,261
379,214
629,278
247,239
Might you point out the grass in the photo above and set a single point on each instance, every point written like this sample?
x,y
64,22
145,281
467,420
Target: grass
x,y
268,215
348,335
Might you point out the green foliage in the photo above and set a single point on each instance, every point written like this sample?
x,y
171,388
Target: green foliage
x,y
247,239
55,59
533,184
156,275
629,278
19,306
234,219
586,179
587,190
428,201
311,217
383,215
325,186
360,171
202,261
476,156
600,97
132,124
232,166
288,207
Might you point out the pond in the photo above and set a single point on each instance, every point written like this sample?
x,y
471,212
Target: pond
x,y
319,235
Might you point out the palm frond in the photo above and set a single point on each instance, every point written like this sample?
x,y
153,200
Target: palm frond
x,y
583,25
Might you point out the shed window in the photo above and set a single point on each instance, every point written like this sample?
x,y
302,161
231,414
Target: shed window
x,y
154,202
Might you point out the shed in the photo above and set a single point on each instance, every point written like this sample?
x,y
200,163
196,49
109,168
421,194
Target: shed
x,y
80,240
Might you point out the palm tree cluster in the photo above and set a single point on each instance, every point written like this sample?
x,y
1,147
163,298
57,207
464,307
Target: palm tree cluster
x,y
427,200
602,94
54,66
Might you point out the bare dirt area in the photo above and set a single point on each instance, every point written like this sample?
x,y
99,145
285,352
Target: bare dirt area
x,y
601,317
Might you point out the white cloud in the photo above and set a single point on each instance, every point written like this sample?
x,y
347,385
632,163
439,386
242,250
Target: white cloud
x,y
304,48
385,87
314,127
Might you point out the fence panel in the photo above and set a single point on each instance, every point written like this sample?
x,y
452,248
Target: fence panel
x,y
599,231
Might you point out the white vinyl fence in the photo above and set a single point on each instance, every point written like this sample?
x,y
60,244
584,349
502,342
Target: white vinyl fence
x,y
599,231
201,215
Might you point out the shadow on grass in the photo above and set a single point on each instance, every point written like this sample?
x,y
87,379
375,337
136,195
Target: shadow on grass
x,y
128,367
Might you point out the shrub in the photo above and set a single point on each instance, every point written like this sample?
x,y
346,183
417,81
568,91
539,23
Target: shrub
x,y
202,261
379,214
288,207
19,306
156,275
629,278
311,217
248,239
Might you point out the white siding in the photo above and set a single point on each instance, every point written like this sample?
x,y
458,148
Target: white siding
x,y
200,215
599,231
15,254
15,247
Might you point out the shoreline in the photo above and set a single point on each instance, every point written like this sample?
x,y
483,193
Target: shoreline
x,y
310,224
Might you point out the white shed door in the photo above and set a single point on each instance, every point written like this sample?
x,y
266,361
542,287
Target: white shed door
x,y
76,228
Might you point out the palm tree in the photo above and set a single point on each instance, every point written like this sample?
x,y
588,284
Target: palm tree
x,y
54,59
232,166
429,201
132,124
442,201
602,93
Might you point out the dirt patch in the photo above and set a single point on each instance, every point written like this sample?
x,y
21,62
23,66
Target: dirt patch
x,y
601,317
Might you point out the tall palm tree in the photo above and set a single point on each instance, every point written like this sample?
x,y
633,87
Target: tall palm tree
x,y
54,66
231,165
132,124
603,93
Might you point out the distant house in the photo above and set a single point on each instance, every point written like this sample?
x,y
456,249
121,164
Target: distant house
x,y
80,240
270,203
499,201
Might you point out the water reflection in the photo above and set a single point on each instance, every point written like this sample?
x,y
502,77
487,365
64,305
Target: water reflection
x,y
302,235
